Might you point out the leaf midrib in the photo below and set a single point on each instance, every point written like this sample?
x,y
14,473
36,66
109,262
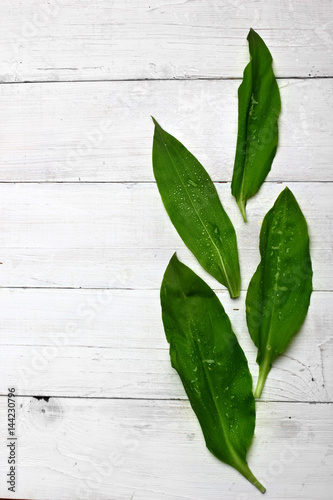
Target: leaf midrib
x,y
248,143
198,215
234,454
275,284
241,193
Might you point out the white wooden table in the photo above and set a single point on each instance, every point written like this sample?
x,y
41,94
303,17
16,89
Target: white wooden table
x,y
84,242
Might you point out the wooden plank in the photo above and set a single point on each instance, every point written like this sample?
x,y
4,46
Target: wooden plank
x,y
114,240
103,131
111,344
121,318
43,225
122,39
149,450
117,268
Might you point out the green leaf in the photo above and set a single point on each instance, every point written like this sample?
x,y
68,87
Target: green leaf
x,y
193,205
211,364
259,106
279,293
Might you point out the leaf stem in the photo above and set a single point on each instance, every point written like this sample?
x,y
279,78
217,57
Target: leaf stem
x,y
241,205
264,370
255,482
233,294
243,468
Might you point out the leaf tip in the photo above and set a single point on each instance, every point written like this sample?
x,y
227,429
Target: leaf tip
x,y
287,195
252,34
174,257
157,125
174,263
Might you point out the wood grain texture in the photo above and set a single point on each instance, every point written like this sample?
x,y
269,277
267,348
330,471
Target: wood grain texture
x,y
85,214
122,39
149,450
102,131
117,268
45,224
111,343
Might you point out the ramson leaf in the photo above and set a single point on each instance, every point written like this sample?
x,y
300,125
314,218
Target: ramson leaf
x,y
211,364
279,293
193,205
259,106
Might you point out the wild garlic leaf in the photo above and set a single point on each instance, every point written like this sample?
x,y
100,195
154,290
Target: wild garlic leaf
x,y
193,205
259,106
279,293
211,364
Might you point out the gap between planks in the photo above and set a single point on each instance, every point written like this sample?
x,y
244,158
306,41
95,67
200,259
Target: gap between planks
x,y
111,398
147,182
136,289
175,79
